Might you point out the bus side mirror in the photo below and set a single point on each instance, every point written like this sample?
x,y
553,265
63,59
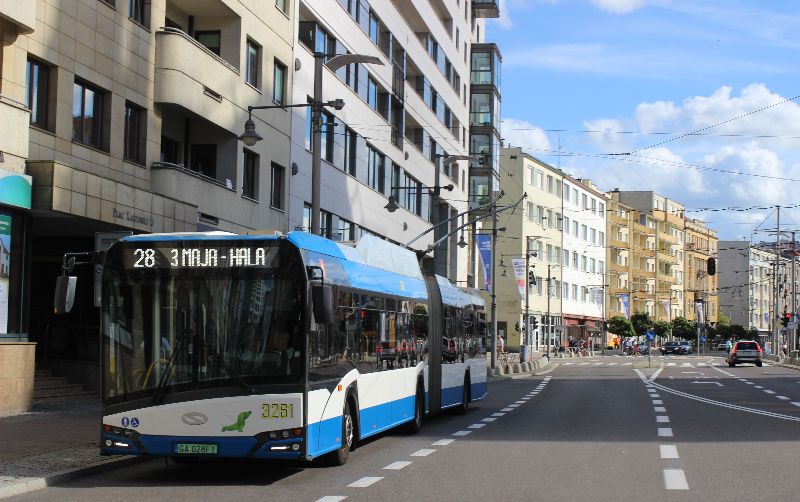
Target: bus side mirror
x,y
65,294
322,297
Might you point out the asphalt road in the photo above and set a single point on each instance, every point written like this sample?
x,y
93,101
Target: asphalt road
x,y
601,429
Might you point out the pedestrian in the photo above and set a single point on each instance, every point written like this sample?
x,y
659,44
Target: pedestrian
x,y
728,345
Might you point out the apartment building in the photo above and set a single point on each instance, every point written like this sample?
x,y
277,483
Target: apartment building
x,y
746,285
701,244
535,231
667,219
16,20
131,112
583,249
405,119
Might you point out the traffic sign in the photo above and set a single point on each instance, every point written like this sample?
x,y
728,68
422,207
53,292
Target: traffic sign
x,y
651,335
702,339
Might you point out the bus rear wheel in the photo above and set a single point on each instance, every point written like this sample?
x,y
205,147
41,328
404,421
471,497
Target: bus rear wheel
x,y
465,398
415,425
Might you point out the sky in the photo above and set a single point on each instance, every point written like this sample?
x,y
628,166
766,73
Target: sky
x,y
702,98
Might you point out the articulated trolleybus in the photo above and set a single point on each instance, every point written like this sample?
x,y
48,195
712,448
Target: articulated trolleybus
x,y
273,346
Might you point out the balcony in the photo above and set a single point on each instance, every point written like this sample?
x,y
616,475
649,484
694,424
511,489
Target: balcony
x,y
14,132
617,269
486,8
642,229
664,236
667,278
639,274
617,220
22,14
668,256
643,251
189,75
614,243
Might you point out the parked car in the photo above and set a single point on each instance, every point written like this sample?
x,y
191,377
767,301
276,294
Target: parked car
x,y
745,352
686,347
643,349
670,348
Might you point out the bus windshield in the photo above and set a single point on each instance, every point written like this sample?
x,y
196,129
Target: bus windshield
x,y
174,320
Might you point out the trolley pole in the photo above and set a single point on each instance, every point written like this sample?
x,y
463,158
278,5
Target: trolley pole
x,y
494,286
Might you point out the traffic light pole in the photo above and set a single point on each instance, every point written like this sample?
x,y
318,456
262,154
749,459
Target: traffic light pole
x,y
527,292
793,333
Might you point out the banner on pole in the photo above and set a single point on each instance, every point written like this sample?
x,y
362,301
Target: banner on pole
x,y
626,304
519,274
667,309
484,243
699,314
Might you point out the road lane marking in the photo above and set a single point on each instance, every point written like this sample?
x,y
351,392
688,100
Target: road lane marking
x,y
365,482
507,409
396,466
675,479
652,391
655,395
660,409
721,404
662,419
519,402
782,398
767,391
665,432
796,403
461,433
714,383
498,414
654,375
513,406
331,498
423,452
489,419
443,442
658,401
476,426
749,383
669,451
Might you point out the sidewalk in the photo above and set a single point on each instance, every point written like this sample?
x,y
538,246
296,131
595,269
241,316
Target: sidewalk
x,y
50,444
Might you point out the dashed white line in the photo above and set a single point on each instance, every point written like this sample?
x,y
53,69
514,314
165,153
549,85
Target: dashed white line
x,y
758,387
665,432
796,403
331,498
658,401
749,383
498,414
782,398
365,482
507,409
423,452
659,409
489,419
669,451
476,426
396,466
769,391
443,442
461,433
513,406
655,395
662,419
675,479
519,402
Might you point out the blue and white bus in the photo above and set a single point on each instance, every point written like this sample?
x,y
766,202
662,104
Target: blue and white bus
x,y
277,346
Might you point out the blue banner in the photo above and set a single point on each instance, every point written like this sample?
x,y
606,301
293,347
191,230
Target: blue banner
x,y
626,304
484,243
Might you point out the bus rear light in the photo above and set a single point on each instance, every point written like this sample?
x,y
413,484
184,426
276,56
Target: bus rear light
x,y
298,432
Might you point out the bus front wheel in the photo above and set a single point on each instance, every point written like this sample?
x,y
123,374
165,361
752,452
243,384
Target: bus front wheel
x,y
415,425
340,456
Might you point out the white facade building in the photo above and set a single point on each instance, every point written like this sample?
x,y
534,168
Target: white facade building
x,y
583,258
400,121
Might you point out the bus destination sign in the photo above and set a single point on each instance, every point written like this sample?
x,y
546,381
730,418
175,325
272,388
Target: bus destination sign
x,y
205,257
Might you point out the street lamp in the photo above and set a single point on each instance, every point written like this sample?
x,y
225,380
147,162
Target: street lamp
x,y
250,137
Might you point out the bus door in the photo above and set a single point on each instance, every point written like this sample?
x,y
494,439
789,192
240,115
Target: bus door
x,y
435,328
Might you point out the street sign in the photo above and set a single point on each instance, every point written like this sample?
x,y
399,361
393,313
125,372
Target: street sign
x,y
651,335
702,339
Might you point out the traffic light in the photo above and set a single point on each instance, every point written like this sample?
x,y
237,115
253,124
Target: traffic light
x,y
531,279
516,325
534,323
785,318
711,266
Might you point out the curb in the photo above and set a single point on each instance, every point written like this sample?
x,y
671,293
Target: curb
x,y
32,484
518,370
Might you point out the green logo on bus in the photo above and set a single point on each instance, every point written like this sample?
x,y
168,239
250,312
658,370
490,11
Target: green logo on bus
x,y
238,426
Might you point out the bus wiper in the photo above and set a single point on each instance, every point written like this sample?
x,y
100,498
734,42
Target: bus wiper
x,y
221,360
162,383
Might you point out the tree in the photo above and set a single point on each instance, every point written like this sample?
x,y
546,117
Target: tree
x,y
641,323
620,326
684,328
723,320
662,328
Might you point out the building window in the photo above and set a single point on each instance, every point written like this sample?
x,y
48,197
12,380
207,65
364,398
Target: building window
x,y
253,67
169,151
87,114
276,198
37,92
204,160
372,93
138,11
209,39
374,26
279,83
281,5
250,174
135,133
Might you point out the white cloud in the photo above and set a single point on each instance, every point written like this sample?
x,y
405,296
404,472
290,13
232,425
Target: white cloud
x,y
607,135
524,134
618,6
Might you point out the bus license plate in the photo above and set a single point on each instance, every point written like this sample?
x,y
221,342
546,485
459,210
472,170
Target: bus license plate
x,y
195,449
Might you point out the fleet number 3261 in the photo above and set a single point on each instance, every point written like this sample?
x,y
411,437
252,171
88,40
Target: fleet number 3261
x,y
275,410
